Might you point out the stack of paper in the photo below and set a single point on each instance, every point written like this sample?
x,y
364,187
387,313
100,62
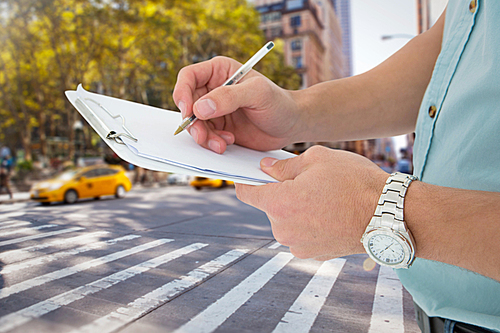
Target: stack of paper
x,y
156,148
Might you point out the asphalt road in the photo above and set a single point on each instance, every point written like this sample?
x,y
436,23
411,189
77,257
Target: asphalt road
x,y
177,260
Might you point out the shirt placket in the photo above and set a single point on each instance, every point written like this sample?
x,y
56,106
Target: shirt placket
x,y
454,42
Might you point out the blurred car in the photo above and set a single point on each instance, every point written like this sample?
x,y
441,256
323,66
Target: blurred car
x,y
178,179
200,182
88,182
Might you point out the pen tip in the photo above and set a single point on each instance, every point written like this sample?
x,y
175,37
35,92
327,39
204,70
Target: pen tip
x,y
178,130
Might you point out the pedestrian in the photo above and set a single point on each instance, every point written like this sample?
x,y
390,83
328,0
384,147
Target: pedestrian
x,y
444,228
404,164
5,166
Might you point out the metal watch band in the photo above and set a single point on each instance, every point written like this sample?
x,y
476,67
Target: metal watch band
x,y
389,212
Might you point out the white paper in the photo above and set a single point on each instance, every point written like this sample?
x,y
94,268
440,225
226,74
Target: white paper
x,y
158,149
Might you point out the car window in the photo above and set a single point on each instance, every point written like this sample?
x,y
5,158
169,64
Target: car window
x,y
68,175
107,172
91,173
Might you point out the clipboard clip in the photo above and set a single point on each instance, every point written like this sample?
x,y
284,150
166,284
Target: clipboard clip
x,y
101,126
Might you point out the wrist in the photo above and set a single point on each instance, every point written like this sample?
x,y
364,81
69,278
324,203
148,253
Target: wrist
x,y
386,239
303,127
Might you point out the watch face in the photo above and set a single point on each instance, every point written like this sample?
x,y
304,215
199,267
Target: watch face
x,y
386,249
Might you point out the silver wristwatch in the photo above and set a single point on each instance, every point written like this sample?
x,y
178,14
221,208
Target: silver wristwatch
x,y
386,239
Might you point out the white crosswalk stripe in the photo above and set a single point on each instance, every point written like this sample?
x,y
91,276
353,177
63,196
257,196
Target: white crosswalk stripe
x,y
387,314
301,315
27,284
220,310
13,224
48,258
38,236
140,306
21,254
23,316
24,230
274,246
319,281
8,216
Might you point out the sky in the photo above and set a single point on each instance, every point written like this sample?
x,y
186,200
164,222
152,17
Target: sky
x,y
372,19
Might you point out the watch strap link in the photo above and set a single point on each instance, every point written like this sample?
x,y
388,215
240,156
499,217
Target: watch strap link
x,y
389,211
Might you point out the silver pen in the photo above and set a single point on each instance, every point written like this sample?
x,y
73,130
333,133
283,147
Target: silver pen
x,y
240,73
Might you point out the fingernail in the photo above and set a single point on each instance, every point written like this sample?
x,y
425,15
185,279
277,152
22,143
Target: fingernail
x,y
214,145
269,162
206,107
194,133
228,138
182,107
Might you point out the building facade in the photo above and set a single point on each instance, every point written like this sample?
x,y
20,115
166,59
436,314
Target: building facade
x,y
312,35
343,10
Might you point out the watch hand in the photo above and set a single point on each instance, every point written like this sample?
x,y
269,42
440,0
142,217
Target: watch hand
x,y
387,247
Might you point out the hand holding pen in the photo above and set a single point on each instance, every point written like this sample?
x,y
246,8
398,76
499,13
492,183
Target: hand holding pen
x,y
255,113
237,76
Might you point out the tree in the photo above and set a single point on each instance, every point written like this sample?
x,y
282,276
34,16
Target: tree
x,y
123,48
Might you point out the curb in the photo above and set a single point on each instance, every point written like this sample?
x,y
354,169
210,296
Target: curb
x,y
24,198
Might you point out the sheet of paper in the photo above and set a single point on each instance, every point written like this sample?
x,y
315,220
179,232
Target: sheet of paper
x,y
154,128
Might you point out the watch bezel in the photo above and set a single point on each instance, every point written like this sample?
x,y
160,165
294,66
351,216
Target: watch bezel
x,y
405,242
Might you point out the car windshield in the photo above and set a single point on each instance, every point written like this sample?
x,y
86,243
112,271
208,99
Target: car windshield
x,y
68,175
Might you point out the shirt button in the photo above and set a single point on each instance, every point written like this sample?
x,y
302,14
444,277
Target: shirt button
x,y
473,6
432,111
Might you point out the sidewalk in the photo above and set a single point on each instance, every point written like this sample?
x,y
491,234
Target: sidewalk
x,y
17,197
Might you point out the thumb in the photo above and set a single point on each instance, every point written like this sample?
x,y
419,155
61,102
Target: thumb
x,y
282,170
227,99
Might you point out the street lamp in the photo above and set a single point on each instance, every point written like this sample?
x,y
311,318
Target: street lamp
x,y
407,36
78,128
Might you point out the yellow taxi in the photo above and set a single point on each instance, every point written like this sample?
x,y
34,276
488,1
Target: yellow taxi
x,y
88,182
200,182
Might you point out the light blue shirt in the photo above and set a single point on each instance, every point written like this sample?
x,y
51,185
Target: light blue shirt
x,y
460,147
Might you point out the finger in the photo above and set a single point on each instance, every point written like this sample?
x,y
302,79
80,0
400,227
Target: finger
x,y
227,99
187,85
226,136
282,170
209,138
203,76
258,196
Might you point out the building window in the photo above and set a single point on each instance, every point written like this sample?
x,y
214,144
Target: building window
x,y
276,32
294,4
271,17
297,62
296,44
301,76
295,21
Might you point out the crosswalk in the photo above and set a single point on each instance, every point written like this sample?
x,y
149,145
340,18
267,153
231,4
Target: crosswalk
x,y
48,257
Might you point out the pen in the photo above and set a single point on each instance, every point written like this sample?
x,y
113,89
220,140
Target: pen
x,y
240,73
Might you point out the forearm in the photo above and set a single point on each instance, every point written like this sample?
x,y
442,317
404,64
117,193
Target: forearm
x,y
455,226
379,103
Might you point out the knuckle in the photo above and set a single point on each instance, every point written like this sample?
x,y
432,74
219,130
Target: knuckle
x,y
299,253
315,151
260,85
282,167
219,59
183,72
281,235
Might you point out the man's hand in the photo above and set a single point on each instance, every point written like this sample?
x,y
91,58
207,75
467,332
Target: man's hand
x,y
254,113
323,203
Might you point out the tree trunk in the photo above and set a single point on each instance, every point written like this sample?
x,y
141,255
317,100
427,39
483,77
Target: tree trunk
x,y
42,120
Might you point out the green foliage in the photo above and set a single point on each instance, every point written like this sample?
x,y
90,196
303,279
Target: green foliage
x,y
24,166
123,48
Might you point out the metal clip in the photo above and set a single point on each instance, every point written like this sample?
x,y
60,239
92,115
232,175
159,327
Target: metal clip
x,y
97,122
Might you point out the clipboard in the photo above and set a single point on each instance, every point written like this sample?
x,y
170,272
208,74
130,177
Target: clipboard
x,y
143,135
